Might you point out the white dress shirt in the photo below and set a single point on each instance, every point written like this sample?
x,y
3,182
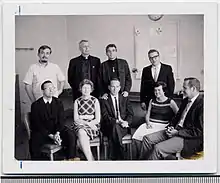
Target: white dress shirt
x,y
186,110
157,71
38,73
45,100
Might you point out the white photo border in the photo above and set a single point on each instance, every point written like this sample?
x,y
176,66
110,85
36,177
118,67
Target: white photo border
x,y
207,165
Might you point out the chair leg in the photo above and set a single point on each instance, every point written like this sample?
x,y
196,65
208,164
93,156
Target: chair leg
x,y
130,149
51,156
105,151
98,152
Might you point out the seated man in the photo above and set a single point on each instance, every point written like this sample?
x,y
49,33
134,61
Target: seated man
x,y
117,115
185,132
47,124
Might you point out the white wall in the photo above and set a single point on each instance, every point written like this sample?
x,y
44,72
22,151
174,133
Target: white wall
x,y
63,33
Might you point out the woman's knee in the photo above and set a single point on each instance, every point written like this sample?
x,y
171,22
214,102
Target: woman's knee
x,y
81,133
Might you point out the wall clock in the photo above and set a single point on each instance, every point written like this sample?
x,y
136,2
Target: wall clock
x,y
155,17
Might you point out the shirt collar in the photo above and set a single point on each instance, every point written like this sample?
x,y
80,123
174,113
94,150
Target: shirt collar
x,y
45,100
194,98
85,57
42,65
114,96
157,67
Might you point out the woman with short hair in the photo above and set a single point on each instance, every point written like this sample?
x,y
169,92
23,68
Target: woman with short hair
x,y
86,117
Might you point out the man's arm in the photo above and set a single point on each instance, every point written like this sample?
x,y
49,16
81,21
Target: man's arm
x,y
128,81
170,81
129,112
29,91
61,120
62,83
105,115
195,130
36,121
142,89
70,73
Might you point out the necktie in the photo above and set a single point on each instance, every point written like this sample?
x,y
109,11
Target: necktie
x,y
48,108
184,113
116,108
155,74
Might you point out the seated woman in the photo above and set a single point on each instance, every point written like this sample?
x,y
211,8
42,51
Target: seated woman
x,y
160,111
86,118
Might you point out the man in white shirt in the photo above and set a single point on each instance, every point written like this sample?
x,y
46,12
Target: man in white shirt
x,y
185,132
42,71
153,73
117,116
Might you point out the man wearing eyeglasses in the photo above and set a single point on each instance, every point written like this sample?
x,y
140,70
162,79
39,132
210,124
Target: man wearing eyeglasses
x,y
153,73
48,125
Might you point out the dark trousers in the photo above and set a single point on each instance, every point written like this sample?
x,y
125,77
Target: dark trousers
x,y
158,146
115,142
37,141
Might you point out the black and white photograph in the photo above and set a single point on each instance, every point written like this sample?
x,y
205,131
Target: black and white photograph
x,y
108,88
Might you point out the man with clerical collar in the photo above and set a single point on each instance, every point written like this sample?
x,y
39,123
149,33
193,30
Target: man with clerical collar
x,y
153,73
114,68
184,133
48,126
41,71
117,116
83,67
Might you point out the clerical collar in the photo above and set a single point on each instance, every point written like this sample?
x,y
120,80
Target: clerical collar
x,y
85,57
46,100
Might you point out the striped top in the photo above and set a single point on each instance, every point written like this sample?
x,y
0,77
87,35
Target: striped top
x,y
161,112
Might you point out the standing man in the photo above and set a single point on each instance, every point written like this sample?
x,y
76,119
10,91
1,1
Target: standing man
x,y
185,132
83,67
42,71
117,116
153,73
114,68
47,124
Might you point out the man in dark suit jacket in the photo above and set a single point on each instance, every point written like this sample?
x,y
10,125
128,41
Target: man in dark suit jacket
x,y
114,68
185,132
83,67
117,116
47,124
153,73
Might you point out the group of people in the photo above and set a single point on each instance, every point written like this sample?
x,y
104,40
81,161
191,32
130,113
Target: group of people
x,y
100,94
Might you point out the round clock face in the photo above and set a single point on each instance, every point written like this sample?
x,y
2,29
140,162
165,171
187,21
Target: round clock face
x,y
155,17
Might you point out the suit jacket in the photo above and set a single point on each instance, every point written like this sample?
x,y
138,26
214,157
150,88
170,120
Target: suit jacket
x,y
44,123
75,75
108,113
124,76
192,130
147,82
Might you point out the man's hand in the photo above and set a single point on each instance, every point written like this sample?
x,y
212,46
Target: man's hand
x,y
57,138
125,94
124,124
171,132
105,96
148,125
143,106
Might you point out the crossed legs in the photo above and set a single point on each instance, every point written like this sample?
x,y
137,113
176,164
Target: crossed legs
x,y
158,146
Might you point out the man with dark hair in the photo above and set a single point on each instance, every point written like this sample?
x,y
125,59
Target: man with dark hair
x,y
83,67
185,132
41,71
157,71
47,124
114,68
117,116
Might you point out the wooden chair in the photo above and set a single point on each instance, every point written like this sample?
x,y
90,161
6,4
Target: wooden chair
x,y
48,149
127,140
96,143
